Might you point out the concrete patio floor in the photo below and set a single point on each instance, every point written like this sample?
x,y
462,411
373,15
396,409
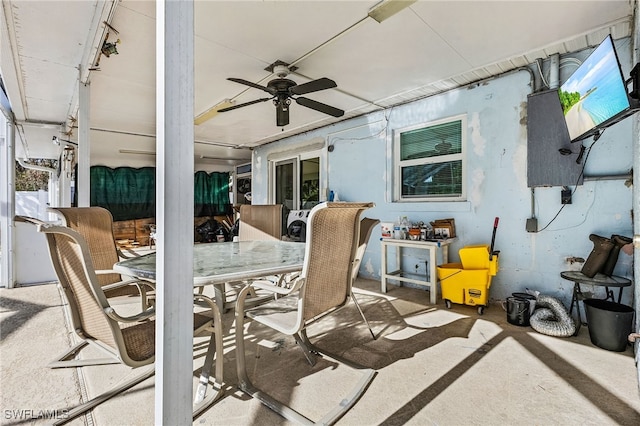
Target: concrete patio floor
x,y
434,366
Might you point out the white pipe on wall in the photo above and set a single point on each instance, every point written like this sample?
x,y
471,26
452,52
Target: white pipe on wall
x,y
34,166
7,200
84,146
554,71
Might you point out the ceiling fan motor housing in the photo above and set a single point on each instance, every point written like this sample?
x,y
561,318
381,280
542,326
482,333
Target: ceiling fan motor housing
x,y
281,85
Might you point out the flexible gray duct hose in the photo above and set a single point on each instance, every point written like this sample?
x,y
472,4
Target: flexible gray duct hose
x,y
552,318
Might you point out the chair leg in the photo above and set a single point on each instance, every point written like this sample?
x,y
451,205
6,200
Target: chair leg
x,y
66,360
220,297
353,297
202,401
245,385
241,366
215,347
308,353
144,299
345,405
83,408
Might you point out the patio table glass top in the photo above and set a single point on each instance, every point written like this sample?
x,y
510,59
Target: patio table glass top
x,y
216,263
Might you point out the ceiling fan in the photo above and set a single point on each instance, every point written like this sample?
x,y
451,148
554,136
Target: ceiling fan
x,y
283,90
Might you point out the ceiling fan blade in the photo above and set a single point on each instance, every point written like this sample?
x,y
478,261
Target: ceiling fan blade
x,y
254,85
319,106
313,86
243,104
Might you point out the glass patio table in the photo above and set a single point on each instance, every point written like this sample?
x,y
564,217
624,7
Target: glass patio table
x,y
218,263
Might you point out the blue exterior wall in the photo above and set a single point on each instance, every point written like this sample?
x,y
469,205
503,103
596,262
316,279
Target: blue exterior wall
x,y
360,168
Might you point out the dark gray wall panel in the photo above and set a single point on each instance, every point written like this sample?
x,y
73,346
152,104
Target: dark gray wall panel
x,y
546,135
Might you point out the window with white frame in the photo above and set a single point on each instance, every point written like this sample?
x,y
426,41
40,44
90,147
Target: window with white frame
x,y
429,161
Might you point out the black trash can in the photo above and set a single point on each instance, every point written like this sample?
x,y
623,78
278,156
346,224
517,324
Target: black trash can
x,y
530,297
609,323
517,311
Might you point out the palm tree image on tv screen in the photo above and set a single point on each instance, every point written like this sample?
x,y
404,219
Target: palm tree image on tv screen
x,y
595,92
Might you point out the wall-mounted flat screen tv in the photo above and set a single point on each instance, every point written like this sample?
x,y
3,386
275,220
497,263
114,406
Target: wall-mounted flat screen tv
x,y
595,96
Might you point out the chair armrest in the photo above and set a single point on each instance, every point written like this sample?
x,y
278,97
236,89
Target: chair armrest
x,y
207,301
124,283
27,219
131,255
145,315
267,286
285,280
142,285
106,271
276,288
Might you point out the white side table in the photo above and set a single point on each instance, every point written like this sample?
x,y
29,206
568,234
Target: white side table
x,y
434,248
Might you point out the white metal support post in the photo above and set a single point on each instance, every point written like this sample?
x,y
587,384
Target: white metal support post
x,y
7,199
636,235
84,145
636,196
174,211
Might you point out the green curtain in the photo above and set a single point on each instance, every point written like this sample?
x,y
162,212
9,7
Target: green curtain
x,y
126,192
130,193
211,194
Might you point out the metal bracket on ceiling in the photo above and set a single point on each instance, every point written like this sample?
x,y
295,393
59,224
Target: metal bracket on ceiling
x,y
277,63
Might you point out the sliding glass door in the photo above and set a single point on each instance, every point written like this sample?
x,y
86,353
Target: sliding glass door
x,y
286,188
297,182
309,182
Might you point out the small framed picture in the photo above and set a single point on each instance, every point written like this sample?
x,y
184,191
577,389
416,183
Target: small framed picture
x,y
442,232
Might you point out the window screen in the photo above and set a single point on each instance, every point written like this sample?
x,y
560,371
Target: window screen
x,y
430,161
434,141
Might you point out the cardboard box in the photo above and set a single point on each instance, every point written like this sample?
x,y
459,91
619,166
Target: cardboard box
x,y
444,228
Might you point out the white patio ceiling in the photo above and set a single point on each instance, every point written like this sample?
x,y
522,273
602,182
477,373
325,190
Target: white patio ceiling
x,y
426,48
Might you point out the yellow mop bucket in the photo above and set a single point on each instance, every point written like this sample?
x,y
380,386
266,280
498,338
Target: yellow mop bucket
x,y
467,286
468,282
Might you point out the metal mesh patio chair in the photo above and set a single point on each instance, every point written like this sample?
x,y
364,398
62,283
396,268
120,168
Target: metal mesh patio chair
x,y
323,286
257,223
260,222
128,339
95,224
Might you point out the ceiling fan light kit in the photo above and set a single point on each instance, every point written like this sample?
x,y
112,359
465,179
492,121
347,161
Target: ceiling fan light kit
x,y
282,111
